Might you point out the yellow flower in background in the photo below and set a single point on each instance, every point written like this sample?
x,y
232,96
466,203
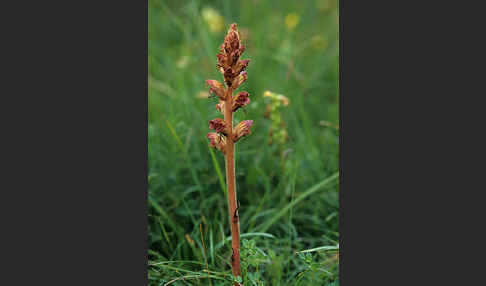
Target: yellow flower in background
x,y
277,132
213,19
319,43
267,93
278,97
291,20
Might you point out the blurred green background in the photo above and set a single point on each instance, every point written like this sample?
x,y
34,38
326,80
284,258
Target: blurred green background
x,y
287,169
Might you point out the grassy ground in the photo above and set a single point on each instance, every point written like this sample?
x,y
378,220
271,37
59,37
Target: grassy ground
x,y
288,190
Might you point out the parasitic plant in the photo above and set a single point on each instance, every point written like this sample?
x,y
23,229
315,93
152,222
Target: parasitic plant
x,y
225,136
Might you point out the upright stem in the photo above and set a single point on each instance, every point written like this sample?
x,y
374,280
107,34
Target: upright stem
x,y
230,181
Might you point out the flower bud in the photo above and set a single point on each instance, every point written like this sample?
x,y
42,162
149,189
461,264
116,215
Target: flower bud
x,y
242,129
241,78
240,100
220,106
216,88
233,38
218,125
241,66
217,141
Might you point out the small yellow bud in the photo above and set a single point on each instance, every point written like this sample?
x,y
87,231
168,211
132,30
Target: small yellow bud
x,y
291,20
277,97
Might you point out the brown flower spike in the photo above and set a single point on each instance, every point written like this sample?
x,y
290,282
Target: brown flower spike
x,y
234,73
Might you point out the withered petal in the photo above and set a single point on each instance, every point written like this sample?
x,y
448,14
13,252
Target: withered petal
x,y
240,100
218,125
241,78
216,88
242,129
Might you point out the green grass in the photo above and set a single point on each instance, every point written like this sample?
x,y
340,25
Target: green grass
x,y
289,203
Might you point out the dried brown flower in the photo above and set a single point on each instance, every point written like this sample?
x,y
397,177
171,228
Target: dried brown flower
x,y
216,88
238,80
240,100
218,125
220,106
242,129
217,140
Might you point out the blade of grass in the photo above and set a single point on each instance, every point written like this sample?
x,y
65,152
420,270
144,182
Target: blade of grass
x,y
153,263
161,211
189,211
204,253
305,194
191,277
291,236
175,136
218,170
327,247
267,192
211,246
165,233
150,251
186,155
248,234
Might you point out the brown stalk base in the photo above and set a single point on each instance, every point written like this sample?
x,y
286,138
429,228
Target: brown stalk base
x,y
230,181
